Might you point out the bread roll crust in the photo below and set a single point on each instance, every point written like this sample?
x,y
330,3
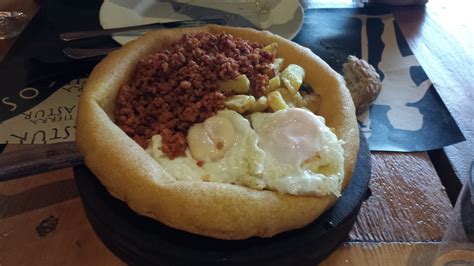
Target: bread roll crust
x,y
217,210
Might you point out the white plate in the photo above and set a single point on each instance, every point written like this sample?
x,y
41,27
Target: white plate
x,y
121,13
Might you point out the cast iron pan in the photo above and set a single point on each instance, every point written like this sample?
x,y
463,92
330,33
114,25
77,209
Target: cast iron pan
x,y
139,240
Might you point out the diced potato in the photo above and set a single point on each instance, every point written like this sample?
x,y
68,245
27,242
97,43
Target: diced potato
x,y
240,84
285,94
277,64
274,83
292,77
276,101
312,102
240,103
295,100
271,48
260,105
298,100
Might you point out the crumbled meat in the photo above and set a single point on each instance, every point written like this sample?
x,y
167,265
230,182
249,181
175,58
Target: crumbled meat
x,y
173,89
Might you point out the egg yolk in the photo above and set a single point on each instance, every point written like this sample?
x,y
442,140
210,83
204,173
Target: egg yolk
x,y
209,141
291,136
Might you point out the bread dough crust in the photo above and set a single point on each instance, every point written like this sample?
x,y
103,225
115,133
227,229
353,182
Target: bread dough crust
x,y
218,210
363,83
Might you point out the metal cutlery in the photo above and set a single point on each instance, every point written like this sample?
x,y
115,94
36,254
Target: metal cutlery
x,y
84,53
71,36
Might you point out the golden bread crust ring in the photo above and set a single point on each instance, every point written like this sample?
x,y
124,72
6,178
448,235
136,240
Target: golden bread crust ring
x,y
217,210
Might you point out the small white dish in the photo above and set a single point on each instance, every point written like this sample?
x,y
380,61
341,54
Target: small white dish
x,y
122,13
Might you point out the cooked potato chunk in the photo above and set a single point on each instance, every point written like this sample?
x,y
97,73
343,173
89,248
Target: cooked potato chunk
x,y
274,83
295,100
240,103
271,48
260,105
277,64
285,94
298,100
276,101
240,84
292,77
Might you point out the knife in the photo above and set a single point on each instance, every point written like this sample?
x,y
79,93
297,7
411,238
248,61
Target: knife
x,y
71,36
84,53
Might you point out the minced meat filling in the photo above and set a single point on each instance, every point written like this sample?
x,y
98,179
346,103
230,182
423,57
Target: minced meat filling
x,y
176,88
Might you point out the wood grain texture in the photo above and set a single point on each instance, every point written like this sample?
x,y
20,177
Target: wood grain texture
x,y
408,202
387,254
39,159
28,194
442,38
385,217
73,243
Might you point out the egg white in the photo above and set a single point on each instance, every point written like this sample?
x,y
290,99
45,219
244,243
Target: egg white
x,y
302,155
313,165
241,164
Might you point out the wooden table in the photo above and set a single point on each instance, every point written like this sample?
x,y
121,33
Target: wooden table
x,y
402,223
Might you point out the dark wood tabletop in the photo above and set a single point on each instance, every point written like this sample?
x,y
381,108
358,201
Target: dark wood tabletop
x,y
402,223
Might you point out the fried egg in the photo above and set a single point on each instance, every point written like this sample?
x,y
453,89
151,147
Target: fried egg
x,y
221,149
290,151
302,155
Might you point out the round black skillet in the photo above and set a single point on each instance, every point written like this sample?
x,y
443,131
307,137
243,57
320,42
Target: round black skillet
x,y
139,240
